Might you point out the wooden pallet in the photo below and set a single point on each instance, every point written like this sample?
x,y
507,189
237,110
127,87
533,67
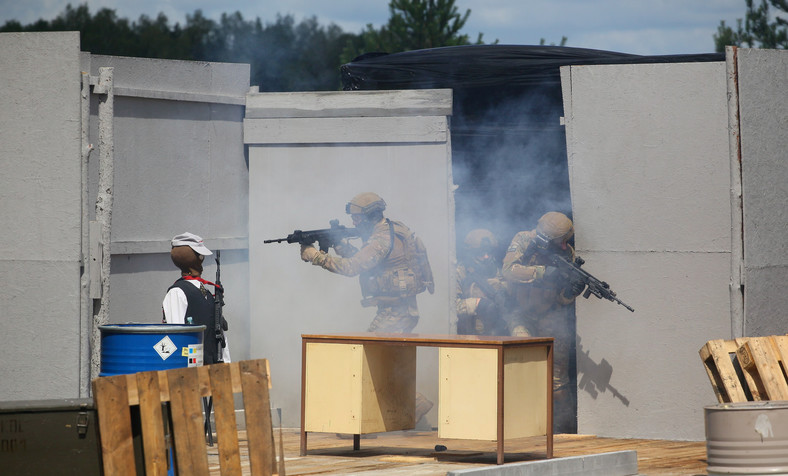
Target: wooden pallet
x,y
184,389
747,368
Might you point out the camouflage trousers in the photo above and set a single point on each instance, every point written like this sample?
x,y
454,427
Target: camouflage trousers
x,y
398,316
555,323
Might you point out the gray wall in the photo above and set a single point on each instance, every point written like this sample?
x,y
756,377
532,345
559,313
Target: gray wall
x,y
179,165
660,160
309,154
763,109
650,183
40,211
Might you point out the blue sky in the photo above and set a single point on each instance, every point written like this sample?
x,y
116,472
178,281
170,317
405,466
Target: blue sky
x,y
648,27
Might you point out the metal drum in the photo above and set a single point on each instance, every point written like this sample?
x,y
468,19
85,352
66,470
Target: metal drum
x,y
131,348
748,438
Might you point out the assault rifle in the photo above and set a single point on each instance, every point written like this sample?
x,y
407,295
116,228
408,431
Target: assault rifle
x,y
572,270
325,238
498,296
220,325
594,286
218,304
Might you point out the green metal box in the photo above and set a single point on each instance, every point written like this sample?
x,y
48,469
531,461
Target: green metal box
x,y
49,437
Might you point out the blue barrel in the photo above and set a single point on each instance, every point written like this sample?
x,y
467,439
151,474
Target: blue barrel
x,y
131,348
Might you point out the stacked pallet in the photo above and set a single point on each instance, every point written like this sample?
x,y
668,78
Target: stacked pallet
x,y
748,368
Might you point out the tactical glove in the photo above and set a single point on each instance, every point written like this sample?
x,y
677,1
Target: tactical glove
x,y
308,253
576,286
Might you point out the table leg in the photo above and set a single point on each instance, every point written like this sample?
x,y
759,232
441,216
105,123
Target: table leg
x,y
356,442
303,398
501,409
549,445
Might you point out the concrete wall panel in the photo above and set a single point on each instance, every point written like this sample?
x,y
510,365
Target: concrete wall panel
x,y
179,166
303,186
40,213
650,183
763,116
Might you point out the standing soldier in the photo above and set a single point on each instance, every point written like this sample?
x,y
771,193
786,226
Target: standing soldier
x,y
481,297
544,298
392,266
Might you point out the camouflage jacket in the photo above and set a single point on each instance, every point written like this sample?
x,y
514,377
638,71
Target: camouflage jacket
x,y
524,270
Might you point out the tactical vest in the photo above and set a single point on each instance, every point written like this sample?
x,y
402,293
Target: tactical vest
x,y
201,309
404,271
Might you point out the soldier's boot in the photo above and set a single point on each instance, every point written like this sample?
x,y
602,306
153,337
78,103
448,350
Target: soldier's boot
x,y
564,417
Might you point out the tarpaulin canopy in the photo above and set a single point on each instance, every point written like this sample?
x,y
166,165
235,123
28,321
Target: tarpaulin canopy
x,y
475,66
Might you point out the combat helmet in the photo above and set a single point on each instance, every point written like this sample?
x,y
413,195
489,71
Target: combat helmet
x,y
480,239
365,204
555,226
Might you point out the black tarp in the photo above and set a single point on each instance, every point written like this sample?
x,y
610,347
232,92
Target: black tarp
x,y
508,147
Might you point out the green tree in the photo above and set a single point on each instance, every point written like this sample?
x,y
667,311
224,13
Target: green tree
x,y
413,25
760,29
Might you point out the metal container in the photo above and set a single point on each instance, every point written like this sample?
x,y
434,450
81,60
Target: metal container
x,y
131,348
49,437
747,438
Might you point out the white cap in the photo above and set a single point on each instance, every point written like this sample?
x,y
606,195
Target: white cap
x,y
192,240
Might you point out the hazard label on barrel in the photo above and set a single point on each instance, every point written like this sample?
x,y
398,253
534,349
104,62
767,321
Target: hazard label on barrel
x,y
165,348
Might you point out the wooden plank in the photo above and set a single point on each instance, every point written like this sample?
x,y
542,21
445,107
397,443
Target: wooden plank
x,y
153,443
754,384
713,373
164,390
399,453
767,366
254,380
746,359
716,356
780,344
224,412
110,395
187,422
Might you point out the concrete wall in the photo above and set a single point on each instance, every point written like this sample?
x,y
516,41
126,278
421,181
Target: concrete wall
x,y
650,182
179,165
309,154
40,212
763,122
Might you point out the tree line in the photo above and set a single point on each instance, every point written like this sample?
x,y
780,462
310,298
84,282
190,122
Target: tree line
x,y
284,55
761,27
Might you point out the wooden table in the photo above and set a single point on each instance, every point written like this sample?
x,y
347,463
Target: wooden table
x,y
490,387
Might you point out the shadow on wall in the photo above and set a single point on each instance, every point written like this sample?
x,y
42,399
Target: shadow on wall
x,y
595,376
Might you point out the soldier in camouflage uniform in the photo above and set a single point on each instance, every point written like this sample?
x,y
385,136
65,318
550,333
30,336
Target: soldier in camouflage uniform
x,y
392,264
392,267
544,297
481,297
